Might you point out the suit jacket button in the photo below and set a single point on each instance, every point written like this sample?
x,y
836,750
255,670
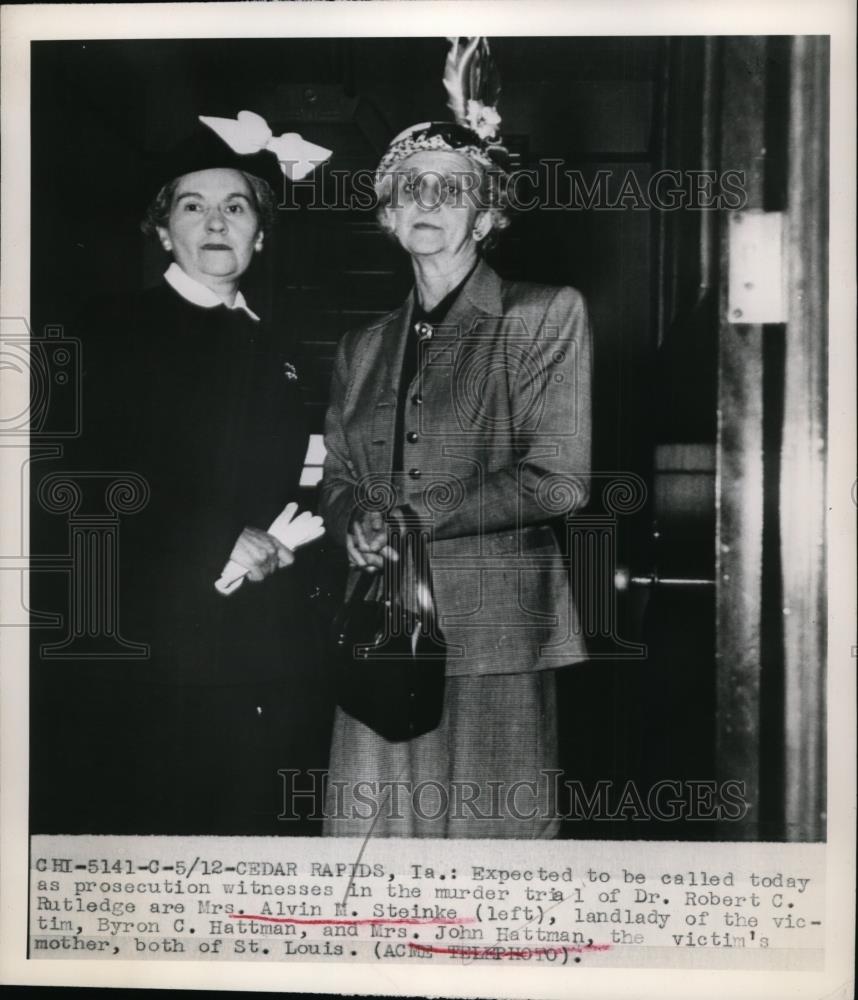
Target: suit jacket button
x,y
423,330
412,437
417,399
414,473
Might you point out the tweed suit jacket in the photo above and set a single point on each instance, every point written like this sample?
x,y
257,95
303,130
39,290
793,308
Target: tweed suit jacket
x,y
496,456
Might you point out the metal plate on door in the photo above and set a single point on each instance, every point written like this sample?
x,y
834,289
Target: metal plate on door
x,y
756,283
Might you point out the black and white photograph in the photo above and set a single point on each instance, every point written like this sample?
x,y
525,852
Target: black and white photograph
x,y
420,446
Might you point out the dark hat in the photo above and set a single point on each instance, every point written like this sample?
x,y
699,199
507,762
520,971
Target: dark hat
x,y
244,143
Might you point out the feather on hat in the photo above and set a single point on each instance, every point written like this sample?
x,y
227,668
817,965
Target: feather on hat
x,y
473,88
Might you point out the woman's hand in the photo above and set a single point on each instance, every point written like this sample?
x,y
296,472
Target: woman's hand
x,y
366,541
260,554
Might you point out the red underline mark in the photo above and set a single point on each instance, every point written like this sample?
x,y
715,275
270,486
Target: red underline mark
x,y
463,951
351,922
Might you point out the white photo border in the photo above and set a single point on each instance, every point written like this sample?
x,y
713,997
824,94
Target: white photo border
x,y
392,18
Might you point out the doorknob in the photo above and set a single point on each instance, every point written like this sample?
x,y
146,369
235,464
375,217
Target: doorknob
x,y
624,579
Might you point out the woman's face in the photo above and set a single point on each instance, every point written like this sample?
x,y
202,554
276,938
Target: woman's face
x,y
433,207
213,228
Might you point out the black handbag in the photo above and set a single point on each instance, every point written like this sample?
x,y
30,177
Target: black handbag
x,y
391,660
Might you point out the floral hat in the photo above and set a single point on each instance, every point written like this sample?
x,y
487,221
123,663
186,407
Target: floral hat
x,y
471,81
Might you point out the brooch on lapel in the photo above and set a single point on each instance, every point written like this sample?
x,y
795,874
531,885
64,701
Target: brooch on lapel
x,y
290,372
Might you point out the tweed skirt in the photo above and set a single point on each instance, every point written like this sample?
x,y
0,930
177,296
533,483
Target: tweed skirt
x,y
485,771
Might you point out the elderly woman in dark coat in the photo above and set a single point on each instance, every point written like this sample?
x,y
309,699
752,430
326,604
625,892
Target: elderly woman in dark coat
x,y
472,401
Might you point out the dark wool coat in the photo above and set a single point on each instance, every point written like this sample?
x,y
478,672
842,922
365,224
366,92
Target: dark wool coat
x,y
195,400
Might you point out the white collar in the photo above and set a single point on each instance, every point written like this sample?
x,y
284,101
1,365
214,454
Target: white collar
x,y
197,293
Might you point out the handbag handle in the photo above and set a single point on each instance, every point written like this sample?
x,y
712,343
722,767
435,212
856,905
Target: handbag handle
x,y
409,539
362,587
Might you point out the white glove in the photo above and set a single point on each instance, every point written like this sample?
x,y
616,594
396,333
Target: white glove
x,y
289,530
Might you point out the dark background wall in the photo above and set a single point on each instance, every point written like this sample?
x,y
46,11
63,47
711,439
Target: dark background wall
x,y
102,109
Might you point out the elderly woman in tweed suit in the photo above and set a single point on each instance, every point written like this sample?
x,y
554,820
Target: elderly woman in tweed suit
x,y
472,401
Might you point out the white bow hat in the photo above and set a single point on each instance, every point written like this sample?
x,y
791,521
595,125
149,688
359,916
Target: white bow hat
x,y
249,134
246,143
